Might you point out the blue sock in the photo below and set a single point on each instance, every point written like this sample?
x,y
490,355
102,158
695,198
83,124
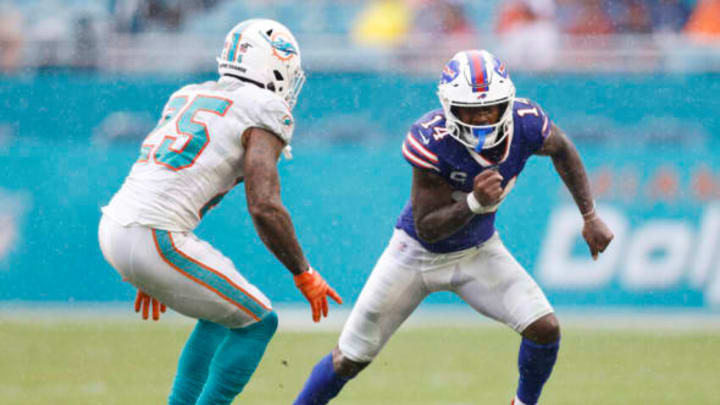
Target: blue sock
x,y
535,363
235,361
194,362
322,385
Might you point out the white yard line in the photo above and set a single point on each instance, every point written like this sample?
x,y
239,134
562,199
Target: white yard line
x,y
298,317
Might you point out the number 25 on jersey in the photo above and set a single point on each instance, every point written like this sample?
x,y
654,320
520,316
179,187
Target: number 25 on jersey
x,y
180,145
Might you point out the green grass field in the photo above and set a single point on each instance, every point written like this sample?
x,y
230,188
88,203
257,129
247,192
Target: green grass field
x,y
132,362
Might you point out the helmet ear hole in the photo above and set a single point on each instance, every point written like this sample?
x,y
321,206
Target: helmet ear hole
x,y
269,32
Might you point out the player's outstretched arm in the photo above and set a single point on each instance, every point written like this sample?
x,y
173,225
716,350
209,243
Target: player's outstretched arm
x,y
272,220
262,188
569,166
316,290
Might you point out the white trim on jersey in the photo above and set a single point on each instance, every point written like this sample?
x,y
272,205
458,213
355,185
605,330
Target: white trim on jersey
x,y
418,147
416,160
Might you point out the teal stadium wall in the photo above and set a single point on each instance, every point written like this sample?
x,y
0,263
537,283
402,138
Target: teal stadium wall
x,y
648,141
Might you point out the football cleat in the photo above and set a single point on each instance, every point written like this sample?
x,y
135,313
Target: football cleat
x,y
516,401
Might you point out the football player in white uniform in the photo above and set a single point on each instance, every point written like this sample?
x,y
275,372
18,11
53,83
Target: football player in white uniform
x,y
466,157
212,136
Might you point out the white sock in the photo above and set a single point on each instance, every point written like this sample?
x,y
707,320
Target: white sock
x,y
518,401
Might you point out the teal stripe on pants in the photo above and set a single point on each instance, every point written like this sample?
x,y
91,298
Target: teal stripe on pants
x,y
202,273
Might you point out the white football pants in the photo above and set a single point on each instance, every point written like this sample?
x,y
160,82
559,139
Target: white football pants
x,y
487,277
183,272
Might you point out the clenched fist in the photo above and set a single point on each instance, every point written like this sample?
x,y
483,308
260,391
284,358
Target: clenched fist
x,y
487,187
597,235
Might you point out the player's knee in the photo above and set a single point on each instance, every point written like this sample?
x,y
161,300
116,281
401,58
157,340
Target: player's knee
x,y
544,330
270,323
264,328
346,367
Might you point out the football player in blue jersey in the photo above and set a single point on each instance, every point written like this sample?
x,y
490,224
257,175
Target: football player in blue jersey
x,y
466,157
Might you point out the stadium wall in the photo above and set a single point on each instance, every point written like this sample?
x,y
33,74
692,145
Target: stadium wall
x,y
67,140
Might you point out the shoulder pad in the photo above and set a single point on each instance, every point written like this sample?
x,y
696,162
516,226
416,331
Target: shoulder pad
x,y
532,124
265,109
531,117
420,145
430,128
194,87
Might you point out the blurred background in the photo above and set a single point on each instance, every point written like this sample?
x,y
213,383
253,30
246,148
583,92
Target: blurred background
x,y
634,83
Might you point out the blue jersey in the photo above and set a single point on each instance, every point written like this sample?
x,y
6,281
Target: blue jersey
x,y
429,146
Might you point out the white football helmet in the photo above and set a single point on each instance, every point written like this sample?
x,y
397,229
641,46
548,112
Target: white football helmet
x,y
266,53
476,78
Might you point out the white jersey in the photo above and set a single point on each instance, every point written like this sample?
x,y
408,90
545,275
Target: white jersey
x,y
194,156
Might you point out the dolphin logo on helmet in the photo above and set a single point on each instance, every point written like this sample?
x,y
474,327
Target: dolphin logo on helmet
x,y
280,45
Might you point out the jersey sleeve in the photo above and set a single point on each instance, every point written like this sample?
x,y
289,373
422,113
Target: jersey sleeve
x,y
275,116
536,123
417,150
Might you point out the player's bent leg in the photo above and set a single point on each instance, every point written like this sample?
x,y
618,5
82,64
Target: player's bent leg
x,y
236,359
194,363
390,295
494,284
193,278
536,358
497,286
197,280
543,331
345,366
183,272
328,377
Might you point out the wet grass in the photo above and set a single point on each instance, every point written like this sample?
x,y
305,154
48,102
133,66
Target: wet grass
x,y
131,362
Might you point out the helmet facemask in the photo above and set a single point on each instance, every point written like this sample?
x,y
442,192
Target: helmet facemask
x,y
288,88
485,136
478,79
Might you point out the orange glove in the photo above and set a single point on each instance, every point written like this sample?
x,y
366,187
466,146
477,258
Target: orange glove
x,y
316,290
143,301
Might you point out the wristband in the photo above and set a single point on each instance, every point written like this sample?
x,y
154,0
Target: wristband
x,y
590,215
305,275
474,204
